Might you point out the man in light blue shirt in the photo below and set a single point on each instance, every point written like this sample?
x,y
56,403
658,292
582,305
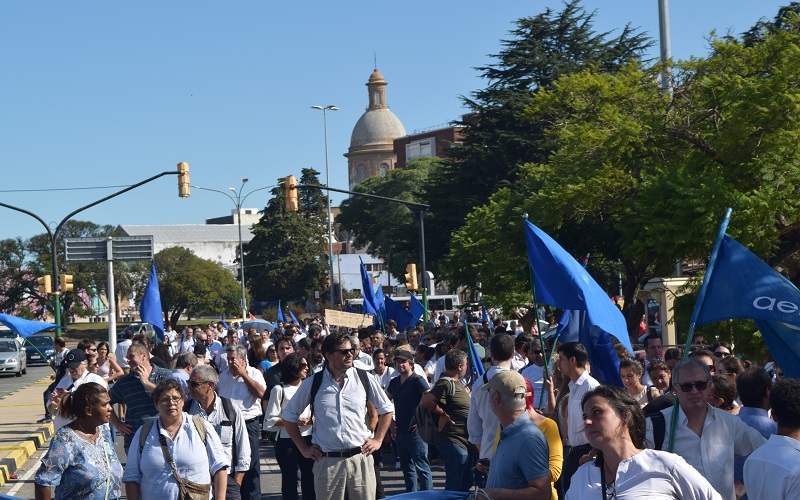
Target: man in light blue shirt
x,y
342,443
753,387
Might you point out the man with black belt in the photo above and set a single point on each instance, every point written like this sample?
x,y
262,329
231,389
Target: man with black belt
x,y
572,362
342,443
244,385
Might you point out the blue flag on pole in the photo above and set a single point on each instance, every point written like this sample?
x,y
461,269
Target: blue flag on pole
x,y
224,324
281,315
398,313
150,307
25,327
485,316
380,304
295,322
416,308
476,368
368,293
562,282
743,286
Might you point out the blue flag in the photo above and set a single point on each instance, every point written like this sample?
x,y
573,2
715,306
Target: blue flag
x,y
295,322
25,327
398,313
150,308
745,287
281,315
380,304
562,282
416,307
349,309
476,368
368,293
485,315
224,325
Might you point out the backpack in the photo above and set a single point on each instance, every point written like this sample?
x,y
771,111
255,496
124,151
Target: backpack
x,y
659,429
230,418
317,382
197,420
427,422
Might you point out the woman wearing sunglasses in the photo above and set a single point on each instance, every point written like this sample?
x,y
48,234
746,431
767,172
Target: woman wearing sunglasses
x,y
622,468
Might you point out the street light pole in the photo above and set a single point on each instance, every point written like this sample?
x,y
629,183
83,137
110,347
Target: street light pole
x,y
325,110
238,201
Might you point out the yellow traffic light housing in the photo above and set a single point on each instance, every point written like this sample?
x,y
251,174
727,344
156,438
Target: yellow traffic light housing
x,y
411,277
66,283
45,284
183,180
292,202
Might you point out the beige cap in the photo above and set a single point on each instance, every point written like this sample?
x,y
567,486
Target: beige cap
x,y
508,383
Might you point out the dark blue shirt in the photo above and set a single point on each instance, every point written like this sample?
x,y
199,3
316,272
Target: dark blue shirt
x,y
406,397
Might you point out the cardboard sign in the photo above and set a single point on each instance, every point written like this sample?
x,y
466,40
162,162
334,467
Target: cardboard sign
x,y
350,320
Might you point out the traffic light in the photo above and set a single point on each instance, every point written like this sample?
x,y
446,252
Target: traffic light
x,y
66,283
292,203
183,179
45,284
411,277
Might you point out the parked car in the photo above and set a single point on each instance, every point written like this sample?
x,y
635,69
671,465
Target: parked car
x,y
137,328
12,358
45,346
6,333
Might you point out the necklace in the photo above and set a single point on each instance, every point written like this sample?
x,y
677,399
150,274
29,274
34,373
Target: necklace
x,y
79,427
173,431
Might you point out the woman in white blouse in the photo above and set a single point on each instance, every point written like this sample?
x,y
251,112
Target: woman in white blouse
x,y
294,368
622,468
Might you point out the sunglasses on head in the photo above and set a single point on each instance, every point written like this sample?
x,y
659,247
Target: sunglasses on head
x,y
687,387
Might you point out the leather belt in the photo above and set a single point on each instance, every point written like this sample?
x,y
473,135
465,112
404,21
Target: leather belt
x,y
342,454
251,420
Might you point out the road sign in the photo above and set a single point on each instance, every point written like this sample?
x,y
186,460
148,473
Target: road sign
x,y
117,248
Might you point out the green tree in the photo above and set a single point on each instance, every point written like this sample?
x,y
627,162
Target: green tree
x,y
499,138
388,230
190,285
287,257
18,293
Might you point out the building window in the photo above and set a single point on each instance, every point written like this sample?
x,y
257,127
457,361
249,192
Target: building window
x,y
421,148
384,169
376,268
377,97
361,173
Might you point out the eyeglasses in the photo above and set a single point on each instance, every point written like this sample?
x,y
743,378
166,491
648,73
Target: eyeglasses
x,y
194,384
170,401
92,349
687,387
304,366
345,352
720,354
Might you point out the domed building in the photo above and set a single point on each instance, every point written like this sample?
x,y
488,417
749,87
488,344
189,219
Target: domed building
x,y
371,149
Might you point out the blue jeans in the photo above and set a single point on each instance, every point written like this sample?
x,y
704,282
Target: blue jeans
x,y
413,454
458,463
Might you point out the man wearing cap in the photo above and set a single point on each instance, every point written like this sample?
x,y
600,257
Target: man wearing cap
x,y
77,374
244,386
519,466
201,353
405,392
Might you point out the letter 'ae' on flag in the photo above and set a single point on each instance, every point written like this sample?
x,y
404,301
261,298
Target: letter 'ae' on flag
x,y
150,308
561,281
743,286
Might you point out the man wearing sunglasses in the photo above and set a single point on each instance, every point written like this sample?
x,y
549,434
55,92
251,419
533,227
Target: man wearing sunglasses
x,y
706,437
535,370
342,443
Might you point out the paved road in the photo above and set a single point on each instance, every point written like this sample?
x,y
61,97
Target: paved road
x,y
10,382
270,476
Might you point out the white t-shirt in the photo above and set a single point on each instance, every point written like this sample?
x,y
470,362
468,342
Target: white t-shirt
x,y
68,384
648,474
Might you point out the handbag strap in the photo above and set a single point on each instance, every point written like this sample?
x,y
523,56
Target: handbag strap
x,y
168,455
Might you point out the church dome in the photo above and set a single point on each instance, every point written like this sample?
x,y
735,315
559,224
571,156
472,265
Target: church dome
x,y
376,126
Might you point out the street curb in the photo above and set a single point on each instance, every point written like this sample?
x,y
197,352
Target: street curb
x,y
19,453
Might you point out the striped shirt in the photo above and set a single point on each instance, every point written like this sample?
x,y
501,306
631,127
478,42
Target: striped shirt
x,y
139,404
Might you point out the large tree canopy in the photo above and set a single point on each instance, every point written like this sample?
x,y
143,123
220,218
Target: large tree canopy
x,y
286,259
499,138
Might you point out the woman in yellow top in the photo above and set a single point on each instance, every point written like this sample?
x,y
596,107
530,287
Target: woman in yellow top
x,y
550,430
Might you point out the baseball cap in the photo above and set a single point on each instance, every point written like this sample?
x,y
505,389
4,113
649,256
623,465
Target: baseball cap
x,y
74,358
200,350
404,353
508,383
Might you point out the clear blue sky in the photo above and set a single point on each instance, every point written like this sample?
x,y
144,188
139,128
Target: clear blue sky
x,y
98,93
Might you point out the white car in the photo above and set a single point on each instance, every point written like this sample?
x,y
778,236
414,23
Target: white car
x,y
12,358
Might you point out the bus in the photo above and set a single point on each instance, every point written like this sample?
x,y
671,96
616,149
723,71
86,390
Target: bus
x,y
447,304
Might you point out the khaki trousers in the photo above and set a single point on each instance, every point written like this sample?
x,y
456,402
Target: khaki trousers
x,y
355,475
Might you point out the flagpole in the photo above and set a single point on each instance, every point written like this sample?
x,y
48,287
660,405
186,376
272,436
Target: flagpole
x,y
698,306
538,328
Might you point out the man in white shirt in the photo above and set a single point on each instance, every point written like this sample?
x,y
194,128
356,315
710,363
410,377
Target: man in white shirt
x,y
773,471
521,345
77,375
482,423
572,362
186,343
121,352
706,437
244,386
654,352
342,443
534,372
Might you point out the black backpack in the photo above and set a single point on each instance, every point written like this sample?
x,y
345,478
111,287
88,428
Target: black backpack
x,y
317,382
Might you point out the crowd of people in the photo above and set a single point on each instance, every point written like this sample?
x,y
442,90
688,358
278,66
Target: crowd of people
x,y
193,411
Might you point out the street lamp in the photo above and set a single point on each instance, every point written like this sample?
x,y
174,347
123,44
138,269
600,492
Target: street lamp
x,y
325,110
238,200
